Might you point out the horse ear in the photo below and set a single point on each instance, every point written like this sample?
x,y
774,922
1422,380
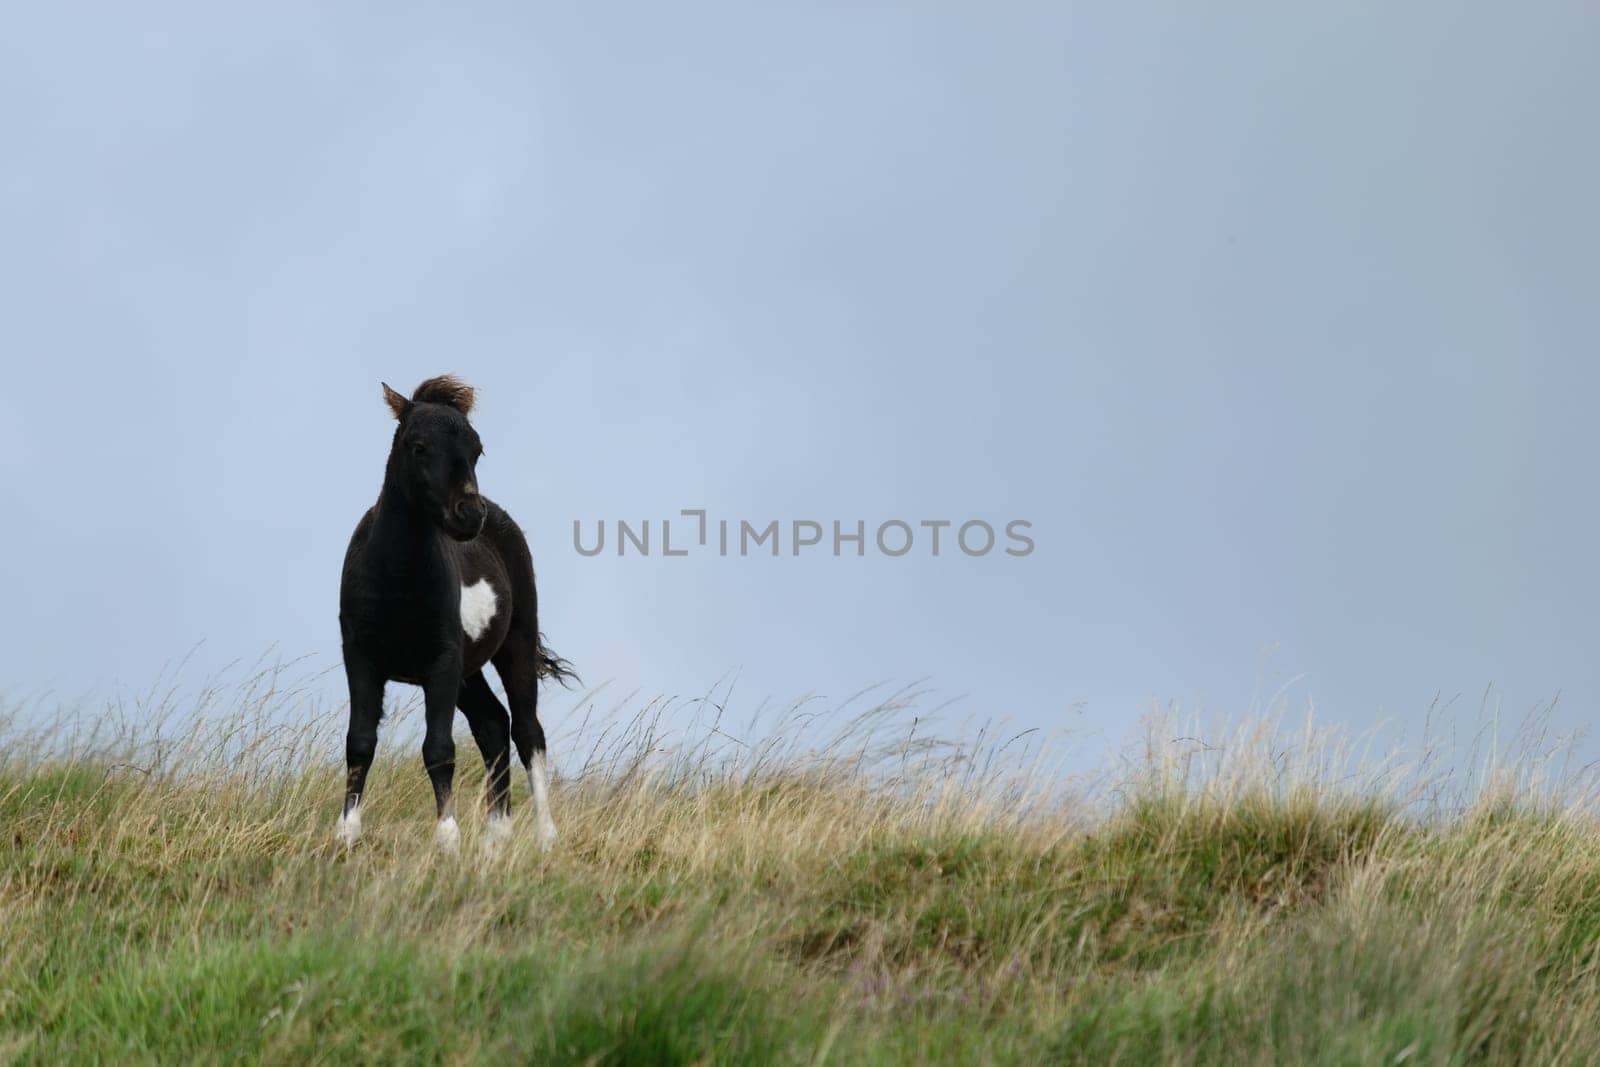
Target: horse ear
x,y
396,402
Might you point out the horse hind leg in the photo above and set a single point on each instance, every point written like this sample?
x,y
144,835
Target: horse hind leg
x,y
518,666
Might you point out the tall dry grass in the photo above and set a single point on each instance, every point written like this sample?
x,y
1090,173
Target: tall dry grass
x,y
837,884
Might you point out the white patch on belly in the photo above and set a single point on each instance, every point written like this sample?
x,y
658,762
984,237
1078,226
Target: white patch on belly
x,y
478,603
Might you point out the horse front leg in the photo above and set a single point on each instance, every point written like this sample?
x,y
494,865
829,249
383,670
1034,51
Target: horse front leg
x,y
439,748
491,729
361,741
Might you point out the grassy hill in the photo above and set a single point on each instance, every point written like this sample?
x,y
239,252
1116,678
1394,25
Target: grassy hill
x,y
183,901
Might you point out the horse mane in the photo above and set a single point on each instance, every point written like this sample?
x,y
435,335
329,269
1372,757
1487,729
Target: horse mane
x,y
445,389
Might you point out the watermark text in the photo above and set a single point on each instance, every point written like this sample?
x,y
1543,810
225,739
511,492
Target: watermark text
x,y
697,532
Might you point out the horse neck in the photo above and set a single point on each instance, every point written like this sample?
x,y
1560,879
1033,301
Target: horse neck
x,y
405,538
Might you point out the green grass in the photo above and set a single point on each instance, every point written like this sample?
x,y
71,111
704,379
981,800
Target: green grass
x,y
192,908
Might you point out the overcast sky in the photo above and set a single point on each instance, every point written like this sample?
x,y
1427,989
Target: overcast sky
x,y
1277,322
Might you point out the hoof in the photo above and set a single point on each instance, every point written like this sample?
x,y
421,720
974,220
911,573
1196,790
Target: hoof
x,y
496,832
348,831
548,836
447,836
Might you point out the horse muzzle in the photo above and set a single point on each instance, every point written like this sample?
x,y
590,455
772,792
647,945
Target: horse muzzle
x,y
465,519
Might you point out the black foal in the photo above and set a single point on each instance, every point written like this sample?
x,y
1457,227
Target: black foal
x,y
438,582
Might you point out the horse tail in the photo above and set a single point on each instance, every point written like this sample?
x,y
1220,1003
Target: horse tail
x,y
553,666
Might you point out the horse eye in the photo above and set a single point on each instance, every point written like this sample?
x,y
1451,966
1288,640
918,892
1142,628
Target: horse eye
x,y
419,447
